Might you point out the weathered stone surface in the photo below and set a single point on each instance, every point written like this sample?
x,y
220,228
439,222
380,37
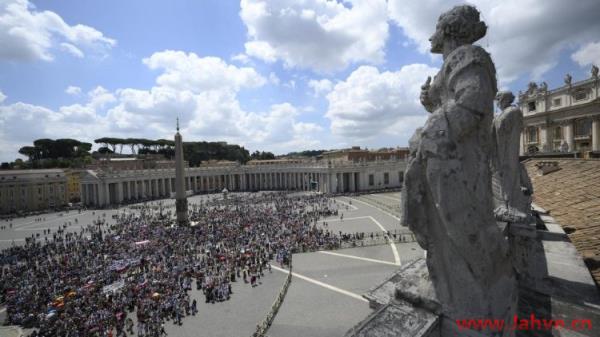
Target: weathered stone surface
x,y
448,195
397,319
511,185
414,286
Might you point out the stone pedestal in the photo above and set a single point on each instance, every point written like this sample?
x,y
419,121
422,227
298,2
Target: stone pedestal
x,y
554,283
407,306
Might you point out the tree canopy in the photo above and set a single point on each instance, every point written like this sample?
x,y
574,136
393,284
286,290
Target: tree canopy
x,y
66,152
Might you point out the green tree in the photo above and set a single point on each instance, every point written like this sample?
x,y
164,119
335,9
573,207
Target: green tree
x,y
29,151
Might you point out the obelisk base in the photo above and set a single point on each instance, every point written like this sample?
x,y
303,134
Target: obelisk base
x,y
181,209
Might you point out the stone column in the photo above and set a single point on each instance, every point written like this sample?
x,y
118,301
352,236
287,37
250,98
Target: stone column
x,y
103,195
596,134
269,180
119,192
90,196
545,139
304,181
82,193
569,135
522,143
351,186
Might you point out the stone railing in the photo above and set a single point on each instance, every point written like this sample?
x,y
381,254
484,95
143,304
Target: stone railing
x,y
265,324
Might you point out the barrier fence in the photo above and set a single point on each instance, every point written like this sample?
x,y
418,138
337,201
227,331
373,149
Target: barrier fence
x,y
265,324
365,240
368,239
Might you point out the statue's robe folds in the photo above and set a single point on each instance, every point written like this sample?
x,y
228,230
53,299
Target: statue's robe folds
x,y
447,198
507,169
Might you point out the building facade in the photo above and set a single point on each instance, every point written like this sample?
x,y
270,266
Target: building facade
x,y
356,154
565,119
101,188
73,185
32,190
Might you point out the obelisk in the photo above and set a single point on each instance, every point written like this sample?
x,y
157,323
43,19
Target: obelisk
x,y
181,205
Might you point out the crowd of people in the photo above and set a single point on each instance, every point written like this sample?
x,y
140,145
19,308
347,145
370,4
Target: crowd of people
x,y
97,281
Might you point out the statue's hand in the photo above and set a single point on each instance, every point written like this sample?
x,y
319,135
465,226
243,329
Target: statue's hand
x,y
425,99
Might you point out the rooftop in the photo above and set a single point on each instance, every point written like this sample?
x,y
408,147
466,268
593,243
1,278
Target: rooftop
x,y
20,172
572,196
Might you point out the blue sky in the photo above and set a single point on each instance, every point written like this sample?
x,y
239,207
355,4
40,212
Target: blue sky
x,y
275,75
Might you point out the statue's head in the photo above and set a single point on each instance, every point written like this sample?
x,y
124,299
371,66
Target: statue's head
x,y
461,24
504,99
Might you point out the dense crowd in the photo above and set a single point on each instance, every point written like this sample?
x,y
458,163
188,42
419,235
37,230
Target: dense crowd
x,y
100,280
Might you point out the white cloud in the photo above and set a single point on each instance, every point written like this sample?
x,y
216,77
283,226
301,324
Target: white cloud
x,y
291,84
71,49
190,72
242,58
73,90
261,50
317,34
320,87
2,97
100,97
378,108
525,37
588,54
27,35
273,79
201,91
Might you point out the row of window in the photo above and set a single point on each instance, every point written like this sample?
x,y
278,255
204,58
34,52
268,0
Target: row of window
x,y
11,193
581,128
577,96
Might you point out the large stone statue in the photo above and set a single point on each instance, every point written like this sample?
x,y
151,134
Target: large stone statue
x,y
447,198
512,193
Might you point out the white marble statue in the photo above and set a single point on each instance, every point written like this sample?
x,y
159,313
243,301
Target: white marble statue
x,y
447,199
512,193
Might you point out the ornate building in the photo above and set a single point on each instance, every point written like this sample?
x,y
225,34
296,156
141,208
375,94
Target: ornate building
x,y
32,190
99,188
565,119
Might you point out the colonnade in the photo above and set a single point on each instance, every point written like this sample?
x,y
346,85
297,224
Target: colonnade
x,y
121,186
